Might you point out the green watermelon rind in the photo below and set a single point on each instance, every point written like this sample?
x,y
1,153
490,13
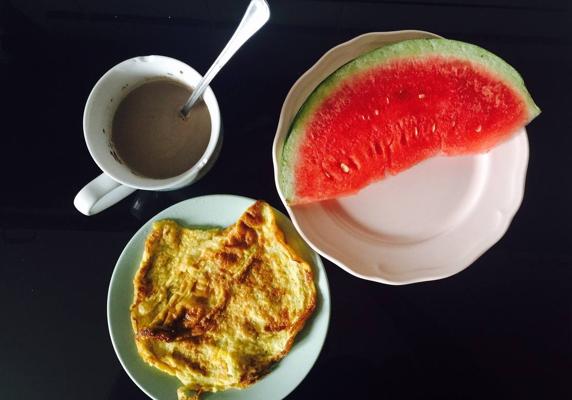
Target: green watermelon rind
x,y
416,48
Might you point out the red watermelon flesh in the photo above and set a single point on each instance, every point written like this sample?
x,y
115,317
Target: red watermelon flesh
x,y
379,118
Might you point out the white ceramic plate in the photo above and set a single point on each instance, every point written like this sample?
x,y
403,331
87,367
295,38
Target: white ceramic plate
x,y
216,210
426,223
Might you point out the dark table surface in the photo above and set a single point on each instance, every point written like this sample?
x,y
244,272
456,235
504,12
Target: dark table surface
x,y
499,329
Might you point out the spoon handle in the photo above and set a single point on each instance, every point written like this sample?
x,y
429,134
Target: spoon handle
x,y
254,18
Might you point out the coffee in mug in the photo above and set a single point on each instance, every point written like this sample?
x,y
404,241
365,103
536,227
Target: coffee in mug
x,y
135,134
150,135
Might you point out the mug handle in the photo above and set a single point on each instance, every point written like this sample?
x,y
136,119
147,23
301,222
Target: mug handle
x,y
99,194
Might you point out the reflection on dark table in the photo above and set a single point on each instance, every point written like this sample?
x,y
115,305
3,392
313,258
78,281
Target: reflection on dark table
x,y
500,329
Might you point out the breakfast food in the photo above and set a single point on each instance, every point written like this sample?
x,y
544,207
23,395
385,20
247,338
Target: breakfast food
x,y
396,106
218,307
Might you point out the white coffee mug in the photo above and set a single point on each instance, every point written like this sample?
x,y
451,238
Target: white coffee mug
x,y
117,181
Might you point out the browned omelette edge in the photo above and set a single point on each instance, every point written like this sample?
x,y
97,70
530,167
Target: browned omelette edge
x,y
140,291
309,278
309,273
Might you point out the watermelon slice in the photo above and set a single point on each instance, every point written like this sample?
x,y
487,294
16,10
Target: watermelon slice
x,y
396,106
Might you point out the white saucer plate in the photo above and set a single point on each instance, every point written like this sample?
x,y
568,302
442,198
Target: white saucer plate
x,y
222,211
426,223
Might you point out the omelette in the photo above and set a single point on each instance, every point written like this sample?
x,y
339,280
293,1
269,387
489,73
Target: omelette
x,y
218,307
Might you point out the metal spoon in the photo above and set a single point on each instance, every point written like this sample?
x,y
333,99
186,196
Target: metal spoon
x,y
254,18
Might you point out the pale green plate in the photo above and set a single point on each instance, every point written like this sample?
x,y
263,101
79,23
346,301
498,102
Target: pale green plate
x,y
215,210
